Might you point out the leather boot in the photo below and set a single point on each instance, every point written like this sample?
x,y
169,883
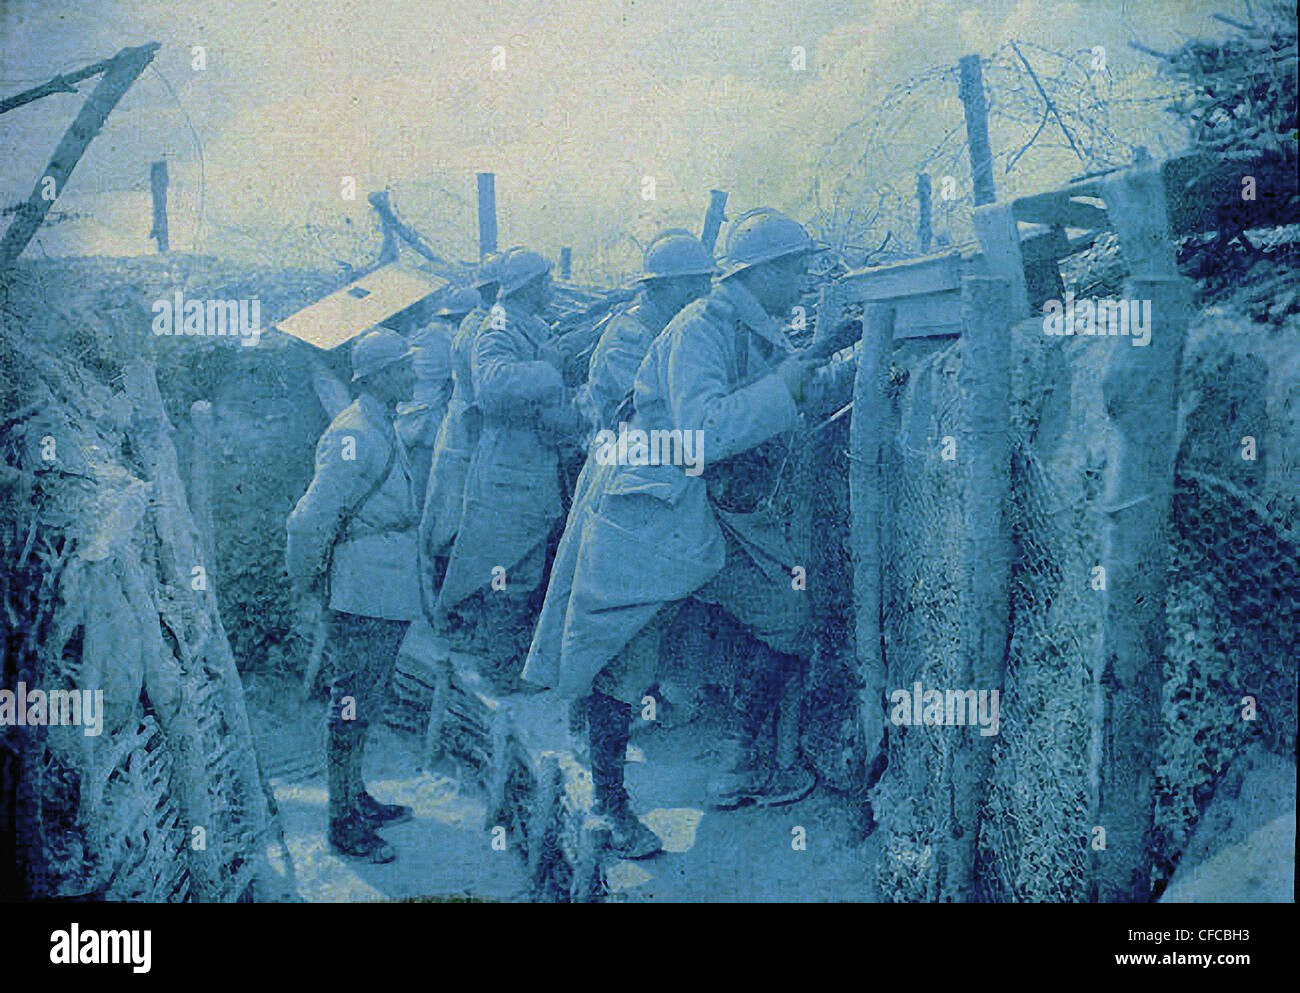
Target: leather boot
x,y
608,724
743,779
374,813
349,833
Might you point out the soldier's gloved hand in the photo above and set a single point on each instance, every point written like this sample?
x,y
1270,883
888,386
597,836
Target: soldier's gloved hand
x,y
836,336
795,373
562,420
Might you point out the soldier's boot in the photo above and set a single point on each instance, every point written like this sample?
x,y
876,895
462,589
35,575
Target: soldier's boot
x,y
608,724
792,779
742,780
749,772
349,833
373,812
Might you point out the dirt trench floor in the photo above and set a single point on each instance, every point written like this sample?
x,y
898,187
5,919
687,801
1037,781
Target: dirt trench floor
x,y
445,852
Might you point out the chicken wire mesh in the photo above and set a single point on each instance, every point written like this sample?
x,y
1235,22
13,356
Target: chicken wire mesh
x,y
1230,613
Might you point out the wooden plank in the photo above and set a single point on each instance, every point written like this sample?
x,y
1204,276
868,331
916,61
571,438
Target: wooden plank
x,y
1057,209
936,315
928,274
359,306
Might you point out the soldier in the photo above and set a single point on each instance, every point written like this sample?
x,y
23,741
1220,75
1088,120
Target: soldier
x,y
352,545
512,489
652,535
678,269
444,495
419,420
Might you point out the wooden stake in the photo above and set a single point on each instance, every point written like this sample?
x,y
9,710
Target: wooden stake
x,y
158,187
487,214
1140,387
977,129
984,382
923,229
713,219
867,433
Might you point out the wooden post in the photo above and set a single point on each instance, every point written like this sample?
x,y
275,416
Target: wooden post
x,y
713,219
984,383
1000,242
487,214
867,434
117,79
566,262
1140,387
158,187
201,476
977,128
923,228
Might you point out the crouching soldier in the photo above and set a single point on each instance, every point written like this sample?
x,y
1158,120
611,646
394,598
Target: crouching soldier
x,y
650,535
512,489
351,545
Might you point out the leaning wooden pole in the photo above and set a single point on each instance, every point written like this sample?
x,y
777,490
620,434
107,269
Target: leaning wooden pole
x,y
867,437
984,451
1140,387
123,70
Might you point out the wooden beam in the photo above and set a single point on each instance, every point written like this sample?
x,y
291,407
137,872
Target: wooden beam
x,y
1056,209
928,274
63,83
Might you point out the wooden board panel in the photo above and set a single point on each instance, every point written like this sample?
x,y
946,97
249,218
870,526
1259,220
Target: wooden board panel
x,y
928,274
931,316
359,306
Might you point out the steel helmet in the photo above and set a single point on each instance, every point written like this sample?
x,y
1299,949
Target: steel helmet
x,y
489,271
520,267
376,349
459,301
677,252
762,235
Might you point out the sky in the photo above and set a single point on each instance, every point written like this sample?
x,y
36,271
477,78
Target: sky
x,y
572,104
